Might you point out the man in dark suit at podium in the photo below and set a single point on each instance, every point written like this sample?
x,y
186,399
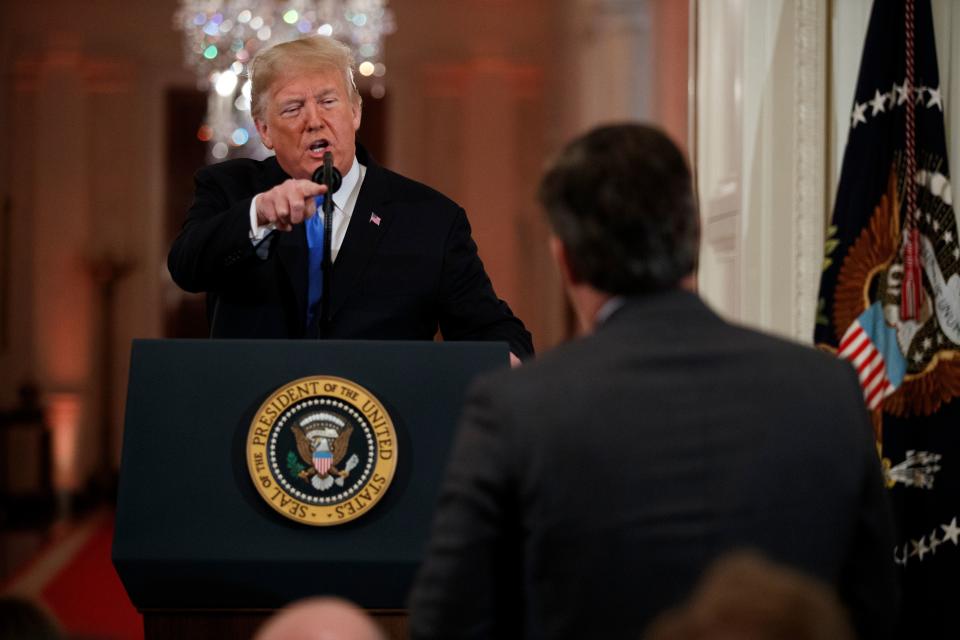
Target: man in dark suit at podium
x,y
587,491
404,262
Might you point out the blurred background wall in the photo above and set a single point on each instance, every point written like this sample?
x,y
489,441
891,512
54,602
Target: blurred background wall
x,y
101,116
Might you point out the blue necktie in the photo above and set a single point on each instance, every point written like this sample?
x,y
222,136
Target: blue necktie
x,y
315,262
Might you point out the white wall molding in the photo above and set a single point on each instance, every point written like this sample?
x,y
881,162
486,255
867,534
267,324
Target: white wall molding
x,y
719,133
809,141
761,135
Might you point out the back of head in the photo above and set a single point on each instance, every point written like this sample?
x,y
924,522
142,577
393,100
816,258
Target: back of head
x,y
320,619
745,596
620,199
305,54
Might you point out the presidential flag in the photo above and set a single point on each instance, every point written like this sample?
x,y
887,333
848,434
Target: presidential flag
x,y
890,300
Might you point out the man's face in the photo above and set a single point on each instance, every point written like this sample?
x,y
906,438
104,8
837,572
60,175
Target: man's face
x,y
307,114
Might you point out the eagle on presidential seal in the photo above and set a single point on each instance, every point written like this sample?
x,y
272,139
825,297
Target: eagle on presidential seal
x,y
322,442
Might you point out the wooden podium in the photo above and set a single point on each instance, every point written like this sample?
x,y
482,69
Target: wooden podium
x,y
201,552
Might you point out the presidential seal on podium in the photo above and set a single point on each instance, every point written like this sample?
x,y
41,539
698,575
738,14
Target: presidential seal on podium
x,y
322,450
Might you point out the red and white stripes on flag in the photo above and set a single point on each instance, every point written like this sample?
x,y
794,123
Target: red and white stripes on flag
x,y
857,347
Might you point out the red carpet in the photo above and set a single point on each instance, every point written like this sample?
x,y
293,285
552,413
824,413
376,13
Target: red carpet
x,y
86,594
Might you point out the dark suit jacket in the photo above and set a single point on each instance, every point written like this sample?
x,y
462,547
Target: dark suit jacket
x,y
587,491
400,279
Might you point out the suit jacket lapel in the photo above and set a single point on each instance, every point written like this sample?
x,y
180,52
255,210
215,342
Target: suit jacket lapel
x,y
363,234
292,252
291,247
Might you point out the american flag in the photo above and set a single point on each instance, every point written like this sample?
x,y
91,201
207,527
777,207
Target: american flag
x,y
870,344
322,461
375,219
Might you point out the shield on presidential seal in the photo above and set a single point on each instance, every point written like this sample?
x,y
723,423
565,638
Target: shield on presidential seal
x,y
322,461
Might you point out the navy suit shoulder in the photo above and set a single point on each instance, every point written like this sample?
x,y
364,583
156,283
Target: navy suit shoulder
x,y
618,466
243,175
429,253
674,325
214,239
407,189
416,202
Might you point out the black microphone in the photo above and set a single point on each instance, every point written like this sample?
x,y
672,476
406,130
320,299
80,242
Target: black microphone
x,y
329,176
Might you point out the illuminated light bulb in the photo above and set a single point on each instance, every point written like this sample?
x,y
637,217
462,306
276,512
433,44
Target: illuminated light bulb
x,y
226,83
225,35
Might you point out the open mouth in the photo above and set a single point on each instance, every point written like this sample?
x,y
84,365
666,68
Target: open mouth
x,y
319,146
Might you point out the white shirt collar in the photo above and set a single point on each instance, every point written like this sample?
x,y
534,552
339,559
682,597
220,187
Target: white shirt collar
x,y
344,201
608,309
347,185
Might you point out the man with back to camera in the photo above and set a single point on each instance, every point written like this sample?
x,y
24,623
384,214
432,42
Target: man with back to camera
x,y
587,491
404,260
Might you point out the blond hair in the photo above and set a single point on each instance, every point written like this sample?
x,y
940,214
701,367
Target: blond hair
x,y
317,52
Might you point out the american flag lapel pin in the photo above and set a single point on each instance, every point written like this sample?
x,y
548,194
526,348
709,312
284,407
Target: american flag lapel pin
x,y
375,219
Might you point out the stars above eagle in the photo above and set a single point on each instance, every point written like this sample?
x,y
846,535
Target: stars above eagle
x,y
883,102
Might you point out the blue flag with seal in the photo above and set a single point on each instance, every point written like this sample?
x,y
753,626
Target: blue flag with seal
x,y
890,299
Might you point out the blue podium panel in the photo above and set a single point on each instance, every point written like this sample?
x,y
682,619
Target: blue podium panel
x,y
192,531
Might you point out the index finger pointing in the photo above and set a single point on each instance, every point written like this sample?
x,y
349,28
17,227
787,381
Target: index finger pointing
x,y
311,188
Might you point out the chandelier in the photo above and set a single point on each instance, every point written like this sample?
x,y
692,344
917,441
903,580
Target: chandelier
x,y
221,37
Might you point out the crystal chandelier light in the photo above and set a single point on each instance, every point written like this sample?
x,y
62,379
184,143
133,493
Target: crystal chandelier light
x,y
221,37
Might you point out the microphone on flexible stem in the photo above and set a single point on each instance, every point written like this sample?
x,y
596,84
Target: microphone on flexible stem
x,y
329,176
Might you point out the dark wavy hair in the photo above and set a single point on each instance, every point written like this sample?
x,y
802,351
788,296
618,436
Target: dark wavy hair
x,y
620,199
